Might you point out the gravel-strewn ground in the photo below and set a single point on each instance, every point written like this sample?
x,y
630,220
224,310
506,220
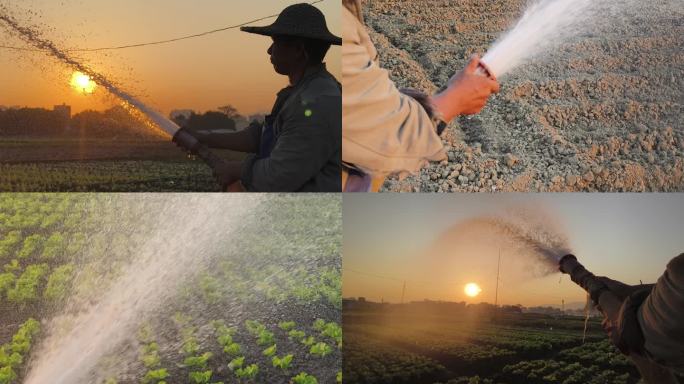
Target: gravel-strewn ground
x,y
600,113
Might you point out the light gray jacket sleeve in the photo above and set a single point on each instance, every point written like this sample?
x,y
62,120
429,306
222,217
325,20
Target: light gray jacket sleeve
x,y
383,131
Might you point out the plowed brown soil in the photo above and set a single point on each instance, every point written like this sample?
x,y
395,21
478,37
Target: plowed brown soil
x,y
602,112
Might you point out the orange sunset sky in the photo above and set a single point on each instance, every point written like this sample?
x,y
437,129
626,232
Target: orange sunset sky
x,y
229,67
390,239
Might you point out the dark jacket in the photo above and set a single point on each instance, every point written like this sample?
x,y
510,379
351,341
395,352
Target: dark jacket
x,y
661,317
304,154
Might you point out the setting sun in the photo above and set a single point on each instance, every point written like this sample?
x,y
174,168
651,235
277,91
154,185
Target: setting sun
x,y
82,83
472,289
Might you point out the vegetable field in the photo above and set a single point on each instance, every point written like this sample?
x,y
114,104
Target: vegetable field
x,y
394,345
108,176
98,165
267,310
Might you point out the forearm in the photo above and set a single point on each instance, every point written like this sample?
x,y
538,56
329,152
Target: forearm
x,y
243,141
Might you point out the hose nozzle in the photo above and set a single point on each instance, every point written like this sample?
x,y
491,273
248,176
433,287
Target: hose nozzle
x,y
568,264
187,141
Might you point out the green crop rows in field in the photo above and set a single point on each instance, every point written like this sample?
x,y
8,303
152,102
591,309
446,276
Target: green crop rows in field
x,y
107,176
396,348
270,306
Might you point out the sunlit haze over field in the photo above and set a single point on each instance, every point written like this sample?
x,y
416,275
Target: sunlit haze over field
x,y
417,247
229,67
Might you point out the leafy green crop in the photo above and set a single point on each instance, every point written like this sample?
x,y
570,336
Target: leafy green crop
x,y
304,378
211,289
7,280
58,282
198,361
157,376
9,242
331,330
31,245
12,267
7,375
319,325
254,327
296,335
320,349
287,325
151,357
26,288
308,341
282,362
265,337
53,247
236,363
12,354
225,338
232,349
200,377
250,372
270,351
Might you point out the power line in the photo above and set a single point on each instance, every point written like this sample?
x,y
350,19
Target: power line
x,y
159,42
373,275
21,49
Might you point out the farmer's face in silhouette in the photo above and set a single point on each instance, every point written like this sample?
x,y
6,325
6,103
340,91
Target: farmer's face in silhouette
x,y
287,54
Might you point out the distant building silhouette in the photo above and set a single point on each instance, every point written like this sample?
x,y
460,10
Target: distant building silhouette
x,y
63,113
63,110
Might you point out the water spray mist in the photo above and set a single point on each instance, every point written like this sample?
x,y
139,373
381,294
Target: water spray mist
x,y
179,136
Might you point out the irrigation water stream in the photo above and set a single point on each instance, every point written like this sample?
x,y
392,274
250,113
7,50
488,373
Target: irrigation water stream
x,y
188,236
531,233
33,37
545,24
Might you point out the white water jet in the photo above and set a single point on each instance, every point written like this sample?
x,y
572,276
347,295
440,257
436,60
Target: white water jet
x,y
191,231
545,23
34,38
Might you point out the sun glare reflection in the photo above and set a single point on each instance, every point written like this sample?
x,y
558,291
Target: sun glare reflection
x,y
472,289
82,83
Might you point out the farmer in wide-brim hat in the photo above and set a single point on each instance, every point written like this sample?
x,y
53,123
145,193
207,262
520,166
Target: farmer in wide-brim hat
x,y
298,148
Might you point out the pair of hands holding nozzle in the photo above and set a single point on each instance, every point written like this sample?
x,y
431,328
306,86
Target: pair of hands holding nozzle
x,y
467,91
611,322
226,173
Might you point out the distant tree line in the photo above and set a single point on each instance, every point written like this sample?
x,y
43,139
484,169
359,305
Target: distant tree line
x,y
429,305
224,118
113,123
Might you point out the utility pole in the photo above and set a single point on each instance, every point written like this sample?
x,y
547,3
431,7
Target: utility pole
x,y
403,291
496,291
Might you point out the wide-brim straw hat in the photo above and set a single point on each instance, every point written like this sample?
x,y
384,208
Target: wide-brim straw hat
x,y
298,20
